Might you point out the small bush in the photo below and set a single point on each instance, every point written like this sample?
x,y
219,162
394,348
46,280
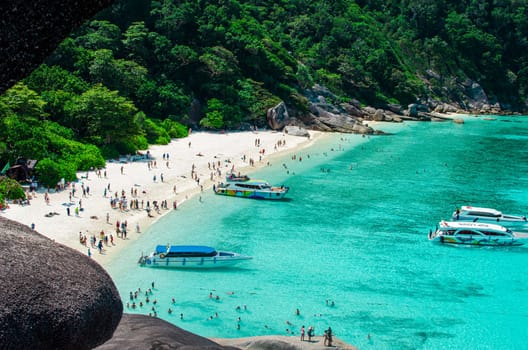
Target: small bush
x,y
50,172
175,129
155,134
10,189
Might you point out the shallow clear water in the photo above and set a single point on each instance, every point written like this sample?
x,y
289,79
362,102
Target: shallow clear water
x,y
354,232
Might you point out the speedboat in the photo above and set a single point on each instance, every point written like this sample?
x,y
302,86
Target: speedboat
x,y
251,189
236,177
190,256
488,215
473,233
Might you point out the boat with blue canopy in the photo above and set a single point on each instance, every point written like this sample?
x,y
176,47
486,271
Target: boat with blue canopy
x,y
256,189
190,256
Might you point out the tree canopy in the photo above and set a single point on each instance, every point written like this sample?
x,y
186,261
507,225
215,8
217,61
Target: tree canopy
x,y
130,75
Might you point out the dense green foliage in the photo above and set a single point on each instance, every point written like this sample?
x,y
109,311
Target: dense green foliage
x,y
144,71
247,56
10,189
26,132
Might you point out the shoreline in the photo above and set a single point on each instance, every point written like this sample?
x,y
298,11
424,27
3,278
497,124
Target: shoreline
x,y
169,167
199,149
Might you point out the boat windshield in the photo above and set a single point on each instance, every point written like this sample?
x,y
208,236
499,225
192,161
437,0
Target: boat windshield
x,y
190,254
185,251
467,232
484,213
493,233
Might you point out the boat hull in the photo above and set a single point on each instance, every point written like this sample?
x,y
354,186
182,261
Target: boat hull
x,y
253,194
480,242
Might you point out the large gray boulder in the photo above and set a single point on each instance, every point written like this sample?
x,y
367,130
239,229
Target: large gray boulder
x,y
139,332
52,297
296,131
319,94
353,110
338,122
379,116
278,116
476,95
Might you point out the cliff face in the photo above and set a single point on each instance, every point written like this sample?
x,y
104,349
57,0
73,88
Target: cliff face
x,y
31,30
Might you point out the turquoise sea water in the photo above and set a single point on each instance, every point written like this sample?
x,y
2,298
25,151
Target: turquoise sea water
x,y
354,232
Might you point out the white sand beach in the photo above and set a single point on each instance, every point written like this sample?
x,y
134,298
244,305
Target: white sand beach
x,y
167,179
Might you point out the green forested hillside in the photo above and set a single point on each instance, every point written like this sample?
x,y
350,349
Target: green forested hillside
x,y
143,71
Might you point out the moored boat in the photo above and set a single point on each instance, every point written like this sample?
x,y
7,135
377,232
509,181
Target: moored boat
x,y
256,189
190,256
488,215
473,233
236,177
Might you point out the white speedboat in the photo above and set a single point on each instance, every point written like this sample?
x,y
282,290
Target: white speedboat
x,y
473,233
190,256
256,189
488,215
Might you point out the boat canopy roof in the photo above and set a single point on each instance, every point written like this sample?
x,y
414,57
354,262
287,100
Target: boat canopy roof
x,y
187,249
256,182
480,211
470,224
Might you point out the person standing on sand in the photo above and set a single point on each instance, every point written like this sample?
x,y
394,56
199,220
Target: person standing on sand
x,y
302,333
328,337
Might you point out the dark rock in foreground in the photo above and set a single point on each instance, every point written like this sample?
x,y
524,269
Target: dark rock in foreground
x,y
144,332
52,296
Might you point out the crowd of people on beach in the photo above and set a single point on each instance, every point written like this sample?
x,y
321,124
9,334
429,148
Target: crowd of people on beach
x,y
126,204
123,202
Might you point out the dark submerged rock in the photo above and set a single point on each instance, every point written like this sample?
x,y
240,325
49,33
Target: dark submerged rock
x,y
53,297
139,332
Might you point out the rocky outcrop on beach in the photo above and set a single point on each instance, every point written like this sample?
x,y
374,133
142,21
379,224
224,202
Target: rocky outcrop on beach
x,y
274,342
326,112
52,296
31,30
296,131
144,332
